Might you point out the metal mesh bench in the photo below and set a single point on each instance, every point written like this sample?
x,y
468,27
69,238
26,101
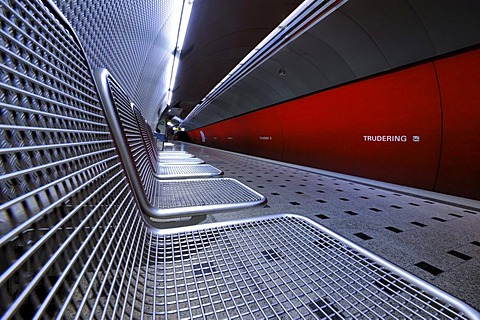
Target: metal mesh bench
x,y
282,267
174,152
172,164
149,140
63,188
203,196
75,245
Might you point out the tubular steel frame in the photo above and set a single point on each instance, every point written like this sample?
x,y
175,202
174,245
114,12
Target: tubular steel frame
x,y
140,174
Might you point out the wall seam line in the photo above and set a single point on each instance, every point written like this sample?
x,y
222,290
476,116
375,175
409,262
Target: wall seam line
x,y
441,126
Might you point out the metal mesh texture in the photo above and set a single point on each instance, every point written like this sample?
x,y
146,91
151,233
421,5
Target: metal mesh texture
x,y
184,161
200,192
150,146
163,155
134,39
284,267
172,171
161,194
63,190
128,120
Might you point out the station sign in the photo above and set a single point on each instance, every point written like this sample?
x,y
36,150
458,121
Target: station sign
x,y
389,138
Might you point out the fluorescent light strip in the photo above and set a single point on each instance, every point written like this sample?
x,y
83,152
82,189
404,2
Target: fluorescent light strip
x,y
299,21
187,10
182,32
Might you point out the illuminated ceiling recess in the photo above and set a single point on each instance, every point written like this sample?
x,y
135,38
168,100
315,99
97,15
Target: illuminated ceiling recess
x,y
186,10
299,21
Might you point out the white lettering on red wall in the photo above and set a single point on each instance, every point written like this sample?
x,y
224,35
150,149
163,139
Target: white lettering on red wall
x,y
385,138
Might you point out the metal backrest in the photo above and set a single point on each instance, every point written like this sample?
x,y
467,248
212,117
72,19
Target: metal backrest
x,y
124,127
148,139
123,121
63,189
162,199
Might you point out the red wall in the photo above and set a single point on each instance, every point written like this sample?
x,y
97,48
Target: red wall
x,y
459,82
438,101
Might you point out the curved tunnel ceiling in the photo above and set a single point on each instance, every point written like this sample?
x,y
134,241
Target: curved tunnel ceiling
x,y
133,39
220,34
359,39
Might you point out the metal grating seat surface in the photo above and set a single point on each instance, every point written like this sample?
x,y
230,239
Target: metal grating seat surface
x,y
163,155
173,152
282,267
173,171
176,194
184,161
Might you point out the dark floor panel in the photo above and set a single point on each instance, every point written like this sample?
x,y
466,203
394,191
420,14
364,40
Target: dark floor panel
x,y
362,236
429,268
393,229
418,224
459,255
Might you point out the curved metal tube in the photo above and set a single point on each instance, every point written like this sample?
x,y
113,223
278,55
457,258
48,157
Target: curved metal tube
x,y
102,78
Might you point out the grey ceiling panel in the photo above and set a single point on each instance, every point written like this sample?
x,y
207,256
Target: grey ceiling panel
x,y
298,69
275,73
284,74
206,118
318,63
395,27
245,96
450,23
254,92
349,40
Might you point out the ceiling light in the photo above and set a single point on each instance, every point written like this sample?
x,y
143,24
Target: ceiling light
x,y
186,10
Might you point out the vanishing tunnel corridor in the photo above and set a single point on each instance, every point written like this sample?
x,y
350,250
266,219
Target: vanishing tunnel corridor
x,y
332,170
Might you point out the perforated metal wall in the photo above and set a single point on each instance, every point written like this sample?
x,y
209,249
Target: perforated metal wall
x,y
134,40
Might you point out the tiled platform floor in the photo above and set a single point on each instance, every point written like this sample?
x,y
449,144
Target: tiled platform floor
x,y
436,241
